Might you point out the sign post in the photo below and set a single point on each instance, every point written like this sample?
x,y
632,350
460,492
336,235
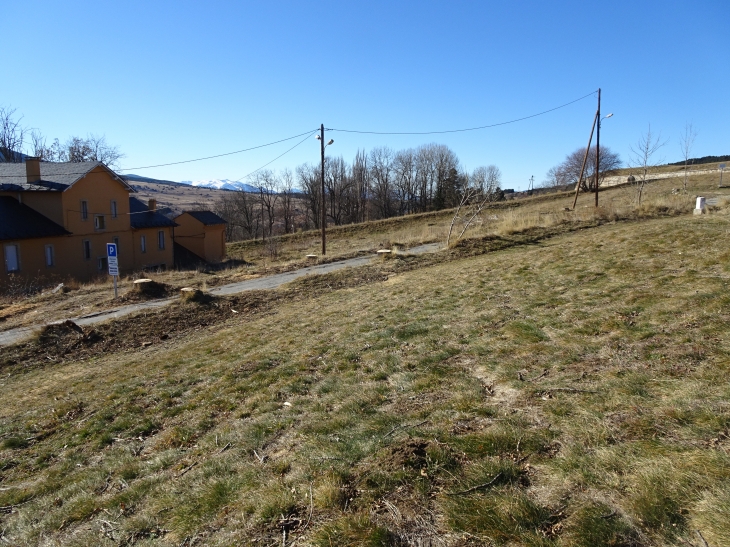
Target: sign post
x,y
111,259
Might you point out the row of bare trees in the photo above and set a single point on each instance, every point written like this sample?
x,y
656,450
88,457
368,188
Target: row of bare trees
x,y
17,141
378,184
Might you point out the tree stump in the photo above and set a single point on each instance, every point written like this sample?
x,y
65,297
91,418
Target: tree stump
x,y
146,286
189,294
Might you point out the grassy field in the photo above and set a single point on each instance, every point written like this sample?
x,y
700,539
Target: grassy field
x,y
554,382
250,259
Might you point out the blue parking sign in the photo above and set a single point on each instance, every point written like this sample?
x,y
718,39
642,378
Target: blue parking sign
x,y
111,249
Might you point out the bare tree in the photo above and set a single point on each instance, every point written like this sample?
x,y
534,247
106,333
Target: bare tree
x,y
92,148
686,141
381,171
12,136
568,171
268,184
480,189
287,200
308,176
643,153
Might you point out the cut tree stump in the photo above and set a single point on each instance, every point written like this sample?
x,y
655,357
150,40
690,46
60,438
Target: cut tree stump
x,y
189,293
146,286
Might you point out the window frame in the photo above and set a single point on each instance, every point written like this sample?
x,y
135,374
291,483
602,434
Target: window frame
x,y
161,240
52,262
17,257
113,208
84,210
143,243
86,246
99,226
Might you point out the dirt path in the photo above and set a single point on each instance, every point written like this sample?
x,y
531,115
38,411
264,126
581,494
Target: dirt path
x,y
20,334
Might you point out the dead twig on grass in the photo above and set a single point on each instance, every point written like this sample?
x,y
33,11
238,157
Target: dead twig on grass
x,y
188,468
704,541
224,448
478,487
569,390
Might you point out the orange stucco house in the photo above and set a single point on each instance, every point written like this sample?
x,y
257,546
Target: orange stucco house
x,y
56,219
202,233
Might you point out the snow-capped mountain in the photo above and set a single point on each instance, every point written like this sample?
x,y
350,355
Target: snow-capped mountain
x,y
222,184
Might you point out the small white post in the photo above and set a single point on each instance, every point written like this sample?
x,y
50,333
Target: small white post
x,y
700,206
115,286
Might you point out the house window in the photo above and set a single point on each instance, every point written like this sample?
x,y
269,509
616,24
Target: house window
x,y
87,249
12,263
161,239
102,263
50,256
143,243
84,210
115,240
114,208
99,222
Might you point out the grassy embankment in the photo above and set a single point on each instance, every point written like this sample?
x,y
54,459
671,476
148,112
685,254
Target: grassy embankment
x,y
570,391
253,259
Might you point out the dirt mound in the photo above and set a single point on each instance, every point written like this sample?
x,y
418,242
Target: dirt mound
x,y
68,341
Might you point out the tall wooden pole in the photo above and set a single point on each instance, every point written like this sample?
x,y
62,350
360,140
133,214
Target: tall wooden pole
x,y
585,159
324,201
598,141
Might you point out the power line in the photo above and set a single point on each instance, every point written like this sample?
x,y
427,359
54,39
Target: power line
x,y
219,155
308,133
276,158
462,130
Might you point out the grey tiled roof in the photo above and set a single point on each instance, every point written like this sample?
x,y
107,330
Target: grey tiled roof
x,y
208,218
142,217
55,177
18,221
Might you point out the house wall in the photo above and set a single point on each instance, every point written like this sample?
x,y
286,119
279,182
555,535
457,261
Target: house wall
x,y
31,255
154,257
98,189
208,242
215,243
190,234
69,259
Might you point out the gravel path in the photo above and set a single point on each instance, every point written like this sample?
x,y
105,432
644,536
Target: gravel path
x,y
20,334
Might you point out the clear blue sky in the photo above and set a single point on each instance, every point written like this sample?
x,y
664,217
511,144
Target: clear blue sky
x,y
169,81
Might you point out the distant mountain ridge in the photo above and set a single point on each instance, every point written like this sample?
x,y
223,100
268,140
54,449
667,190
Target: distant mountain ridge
x,y
222,184
215,184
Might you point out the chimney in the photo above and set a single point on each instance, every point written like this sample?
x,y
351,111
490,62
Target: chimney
x,y
152,205
33,169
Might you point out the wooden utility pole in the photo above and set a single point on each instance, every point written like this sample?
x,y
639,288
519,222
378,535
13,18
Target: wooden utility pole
x,y
324,201
585,159
598,141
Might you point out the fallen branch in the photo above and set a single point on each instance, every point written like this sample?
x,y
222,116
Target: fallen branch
x,y
570,390
188,468
224,448
544,373
704,541
479,487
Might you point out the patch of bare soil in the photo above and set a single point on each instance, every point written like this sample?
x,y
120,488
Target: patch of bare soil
x,y
68,341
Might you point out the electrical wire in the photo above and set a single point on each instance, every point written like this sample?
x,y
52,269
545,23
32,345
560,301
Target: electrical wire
x,y
308,133
277,157
461,130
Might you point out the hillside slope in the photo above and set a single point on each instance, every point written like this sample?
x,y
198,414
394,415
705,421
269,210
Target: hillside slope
x,y
571,391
